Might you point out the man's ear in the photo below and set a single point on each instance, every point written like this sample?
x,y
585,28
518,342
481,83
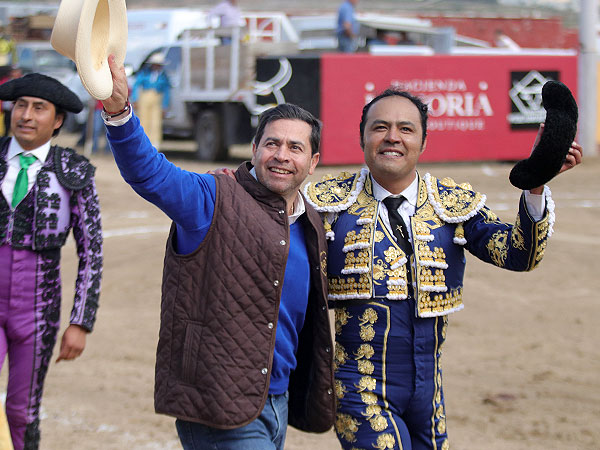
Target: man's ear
x,y
58,121
314,160
252,161
423,145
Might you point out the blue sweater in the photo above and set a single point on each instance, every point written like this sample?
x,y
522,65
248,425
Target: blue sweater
x,y
188,198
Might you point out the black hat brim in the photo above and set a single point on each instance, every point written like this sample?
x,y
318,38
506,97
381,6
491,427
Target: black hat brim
x,y
41,86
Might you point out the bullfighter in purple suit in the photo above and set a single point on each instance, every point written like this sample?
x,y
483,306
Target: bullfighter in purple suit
x,y
46,191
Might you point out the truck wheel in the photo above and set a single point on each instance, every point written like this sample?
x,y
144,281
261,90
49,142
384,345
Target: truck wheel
x,y
209,136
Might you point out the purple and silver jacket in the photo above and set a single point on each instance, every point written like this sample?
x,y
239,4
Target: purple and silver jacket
x,y
62,198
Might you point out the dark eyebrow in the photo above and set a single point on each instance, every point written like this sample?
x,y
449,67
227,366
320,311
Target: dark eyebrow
x,y
300,143
400,123
270,138
290,142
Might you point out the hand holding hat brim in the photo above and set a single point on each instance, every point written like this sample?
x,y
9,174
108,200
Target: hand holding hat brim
x,y
550,153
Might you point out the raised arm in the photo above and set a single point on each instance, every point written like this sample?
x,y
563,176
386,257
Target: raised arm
x,y
186,197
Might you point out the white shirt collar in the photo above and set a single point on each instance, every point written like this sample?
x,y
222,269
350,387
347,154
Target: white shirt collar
x,y
14,149
410,193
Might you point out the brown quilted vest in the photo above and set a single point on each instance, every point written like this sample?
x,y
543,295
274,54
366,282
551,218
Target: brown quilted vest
x,y
219,315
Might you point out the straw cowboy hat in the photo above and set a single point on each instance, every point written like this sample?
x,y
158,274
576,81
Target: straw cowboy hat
x,y
86,32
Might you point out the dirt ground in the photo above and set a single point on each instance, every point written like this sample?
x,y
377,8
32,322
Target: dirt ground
x,y
520,363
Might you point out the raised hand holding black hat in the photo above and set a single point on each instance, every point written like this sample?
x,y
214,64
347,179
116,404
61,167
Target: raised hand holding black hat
x,y
555,150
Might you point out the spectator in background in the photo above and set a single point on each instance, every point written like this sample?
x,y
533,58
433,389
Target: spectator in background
x,y
8,50
347,27
98,129
229,16
380,38
404,39
151,95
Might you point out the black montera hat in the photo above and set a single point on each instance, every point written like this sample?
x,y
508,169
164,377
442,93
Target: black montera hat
x,y
41,86
551,151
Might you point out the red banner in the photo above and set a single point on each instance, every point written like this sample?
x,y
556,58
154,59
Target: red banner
x,y
480,107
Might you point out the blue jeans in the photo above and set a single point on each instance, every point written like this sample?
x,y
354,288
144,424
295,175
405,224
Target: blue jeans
x,y
266,432
346,44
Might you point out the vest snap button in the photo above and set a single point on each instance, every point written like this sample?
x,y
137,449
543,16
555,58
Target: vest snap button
x,y
282,242
270,325
276,283
264,371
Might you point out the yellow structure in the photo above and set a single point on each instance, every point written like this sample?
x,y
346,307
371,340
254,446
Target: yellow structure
x,y
5,439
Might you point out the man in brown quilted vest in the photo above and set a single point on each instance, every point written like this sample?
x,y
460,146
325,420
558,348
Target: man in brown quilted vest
x,y
244,330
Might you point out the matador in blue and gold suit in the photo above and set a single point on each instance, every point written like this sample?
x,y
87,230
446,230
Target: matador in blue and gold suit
x,y
390,332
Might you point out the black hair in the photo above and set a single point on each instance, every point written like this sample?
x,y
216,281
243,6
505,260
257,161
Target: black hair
x,y
59,112
422,107
292,112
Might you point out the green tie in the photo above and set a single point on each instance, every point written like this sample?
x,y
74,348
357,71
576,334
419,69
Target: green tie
x,y
21,185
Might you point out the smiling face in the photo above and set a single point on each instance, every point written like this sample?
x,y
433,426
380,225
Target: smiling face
x,y
283,158
33,121
392,142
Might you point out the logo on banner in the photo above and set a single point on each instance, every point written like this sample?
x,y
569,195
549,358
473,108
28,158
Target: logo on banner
x,y
454,104
526,98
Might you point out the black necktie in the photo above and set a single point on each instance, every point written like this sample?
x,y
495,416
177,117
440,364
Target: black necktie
x,y
397,223
400,231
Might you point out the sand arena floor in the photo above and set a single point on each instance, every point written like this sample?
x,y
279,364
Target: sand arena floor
x,y
520,362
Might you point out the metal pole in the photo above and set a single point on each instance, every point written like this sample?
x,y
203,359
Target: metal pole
x,y
587,77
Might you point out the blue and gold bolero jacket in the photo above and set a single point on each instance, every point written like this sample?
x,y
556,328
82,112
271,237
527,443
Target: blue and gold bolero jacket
x,y
365,262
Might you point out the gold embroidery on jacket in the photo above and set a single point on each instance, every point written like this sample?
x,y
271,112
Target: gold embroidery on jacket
x,y
373,415
367,333
439,412
379,270
370,398
540,241
357,263
366,383
458,200
341,318
435,279
340,356
385,441
332,191
497,247
369,315
346,426
364,351
516,237
437,302
489,216
365,367
350,286
441,426
323,257
340,389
